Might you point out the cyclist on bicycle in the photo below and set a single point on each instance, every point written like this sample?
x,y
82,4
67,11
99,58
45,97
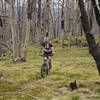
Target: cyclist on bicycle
x,y
48,49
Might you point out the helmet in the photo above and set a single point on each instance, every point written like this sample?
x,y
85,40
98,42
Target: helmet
x,y
46,39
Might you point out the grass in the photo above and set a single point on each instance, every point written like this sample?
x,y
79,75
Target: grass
x,y
69,64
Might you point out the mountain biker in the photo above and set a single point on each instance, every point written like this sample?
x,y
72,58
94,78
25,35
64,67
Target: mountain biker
x,y
48,49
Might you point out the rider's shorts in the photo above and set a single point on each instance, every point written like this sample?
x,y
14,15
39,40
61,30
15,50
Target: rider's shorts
x,y
47,54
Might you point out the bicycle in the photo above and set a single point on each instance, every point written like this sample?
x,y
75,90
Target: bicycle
x,y
45,68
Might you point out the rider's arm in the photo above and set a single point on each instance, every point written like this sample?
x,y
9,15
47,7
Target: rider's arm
x,y
52,50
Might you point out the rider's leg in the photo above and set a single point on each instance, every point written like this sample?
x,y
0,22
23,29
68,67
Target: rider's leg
x,y
44,57
50,62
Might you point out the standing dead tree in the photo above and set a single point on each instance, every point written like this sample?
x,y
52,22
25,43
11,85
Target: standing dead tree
x,y
1,22
39,20
94,51
62,24
29,18
47,17
14,34
96,6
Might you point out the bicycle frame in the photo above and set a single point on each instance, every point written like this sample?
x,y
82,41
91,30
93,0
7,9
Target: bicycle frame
x,y
45,67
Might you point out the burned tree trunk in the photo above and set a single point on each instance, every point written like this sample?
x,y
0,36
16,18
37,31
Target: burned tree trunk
x,y
96,6
94,51
1,22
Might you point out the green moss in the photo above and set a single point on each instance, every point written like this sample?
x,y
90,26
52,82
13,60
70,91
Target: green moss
x,y
69,64
75,97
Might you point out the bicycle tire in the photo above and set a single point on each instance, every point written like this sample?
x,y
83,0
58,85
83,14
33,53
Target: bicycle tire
x,y
48,69
44,71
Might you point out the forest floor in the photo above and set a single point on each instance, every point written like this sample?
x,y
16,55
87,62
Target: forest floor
x,y
23,81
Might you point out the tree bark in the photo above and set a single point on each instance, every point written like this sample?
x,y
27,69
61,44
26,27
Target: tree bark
x,y
94,51
23,21
26,39
62,25
19,28
99,38
47,16
29,18
97,13
14,35
39,21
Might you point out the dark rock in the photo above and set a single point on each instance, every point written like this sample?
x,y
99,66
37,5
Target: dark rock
x,y
73,85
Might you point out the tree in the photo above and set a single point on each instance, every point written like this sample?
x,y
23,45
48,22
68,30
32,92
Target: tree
x,y
28,21
93,49
39,20
47,16
96,6
14,35
62,24
1,24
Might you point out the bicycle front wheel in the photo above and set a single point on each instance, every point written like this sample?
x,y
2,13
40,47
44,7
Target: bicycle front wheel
x,y
44,71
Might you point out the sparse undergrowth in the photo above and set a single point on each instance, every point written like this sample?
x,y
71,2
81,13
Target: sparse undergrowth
x,y
69,64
